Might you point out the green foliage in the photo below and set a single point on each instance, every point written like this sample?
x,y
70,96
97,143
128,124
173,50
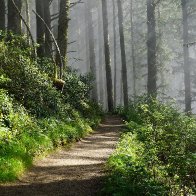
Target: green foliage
x,y
23,137
29,85
37,118
76,92
20,138
158,153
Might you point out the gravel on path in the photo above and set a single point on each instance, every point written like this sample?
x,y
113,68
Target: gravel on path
x,y
78,171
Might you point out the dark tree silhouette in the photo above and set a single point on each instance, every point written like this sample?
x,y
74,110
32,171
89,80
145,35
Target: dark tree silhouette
x,y
40,28
62,32
107,57
123,53
14,19
2,15
187,80
151,46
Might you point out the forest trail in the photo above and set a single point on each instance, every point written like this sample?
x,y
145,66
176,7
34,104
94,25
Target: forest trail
x,y
78,171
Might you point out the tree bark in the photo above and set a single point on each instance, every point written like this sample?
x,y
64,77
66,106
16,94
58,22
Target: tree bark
x,y
151,46
133,49
2,15
40,28
187,80
107,57
123,54
63,32
115,56
91,44
47,19
27,18
14,19
101,53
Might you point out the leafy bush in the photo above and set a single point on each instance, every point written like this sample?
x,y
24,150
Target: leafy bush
x,y
23,137
166,159
29,85
20,138
37,118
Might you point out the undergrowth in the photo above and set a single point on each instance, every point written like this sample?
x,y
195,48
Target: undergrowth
x,y
36,118
157,153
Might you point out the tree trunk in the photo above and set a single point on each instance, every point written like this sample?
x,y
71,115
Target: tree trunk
x,y
40,28
115,56
133,49
2,15
123,54
91,44
187,80
63,33
101,53
107,57
47,19
151,45
14,20
27,18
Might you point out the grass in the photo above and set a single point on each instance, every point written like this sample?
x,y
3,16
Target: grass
x,y
18,153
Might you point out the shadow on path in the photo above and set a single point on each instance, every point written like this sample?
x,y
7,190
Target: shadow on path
x,y
75,172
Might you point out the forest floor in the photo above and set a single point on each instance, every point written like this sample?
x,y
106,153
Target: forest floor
x,y
78,171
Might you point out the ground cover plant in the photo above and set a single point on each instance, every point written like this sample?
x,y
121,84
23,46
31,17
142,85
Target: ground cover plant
x,y
157,154
35,117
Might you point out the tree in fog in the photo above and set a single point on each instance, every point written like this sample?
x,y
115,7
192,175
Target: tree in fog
x,y
27,18
2,15
107,57
133,48
151,48
63,32
115,51
101,55
14,19
187,80
123,53
40,28
47,19
91,44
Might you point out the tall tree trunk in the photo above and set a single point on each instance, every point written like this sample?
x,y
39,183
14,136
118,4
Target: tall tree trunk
x,y
63,32
151,45
2,15
14,20
123,54
47,19
159,55
133,49
115,56
101,53
107,57
91,43
27,18
187,80
40,28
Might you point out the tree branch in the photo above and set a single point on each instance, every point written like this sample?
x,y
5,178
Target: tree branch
x,y
55,42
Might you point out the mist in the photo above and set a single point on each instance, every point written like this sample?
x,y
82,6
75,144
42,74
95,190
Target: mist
x,y
86,53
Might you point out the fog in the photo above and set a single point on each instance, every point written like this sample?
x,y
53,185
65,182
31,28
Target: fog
x,y
169,45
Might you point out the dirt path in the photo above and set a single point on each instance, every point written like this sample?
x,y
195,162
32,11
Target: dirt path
x,y
75,172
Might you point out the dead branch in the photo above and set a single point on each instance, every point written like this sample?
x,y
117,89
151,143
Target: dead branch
x,y
52,35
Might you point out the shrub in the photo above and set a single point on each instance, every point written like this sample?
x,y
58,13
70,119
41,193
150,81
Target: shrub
x,y
22,137
167,140
30,86
37,118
